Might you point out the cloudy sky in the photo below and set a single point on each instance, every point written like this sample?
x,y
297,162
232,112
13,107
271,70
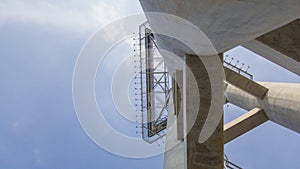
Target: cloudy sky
x,y
39,45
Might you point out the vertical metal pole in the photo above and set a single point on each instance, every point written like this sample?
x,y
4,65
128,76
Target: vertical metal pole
x,y
149,80
141,78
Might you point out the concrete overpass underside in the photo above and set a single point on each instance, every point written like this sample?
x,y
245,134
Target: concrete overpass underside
x,y
270,28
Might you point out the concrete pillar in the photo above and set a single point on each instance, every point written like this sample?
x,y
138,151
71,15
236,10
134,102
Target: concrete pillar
x,y
209,154
175,144
187,152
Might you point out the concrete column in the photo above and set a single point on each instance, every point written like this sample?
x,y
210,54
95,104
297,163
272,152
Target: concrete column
x,y
175,145
209,154
189,153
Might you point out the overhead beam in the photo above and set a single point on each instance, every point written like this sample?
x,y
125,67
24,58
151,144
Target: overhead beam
x,y
243,124
281,46
245,84
285,40
273,56
281,105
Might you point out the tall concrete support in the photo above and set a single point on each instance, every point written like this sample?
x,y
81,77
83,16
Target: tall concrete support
x,y
175,144
189,153
174,157
281,104
209,154
281,46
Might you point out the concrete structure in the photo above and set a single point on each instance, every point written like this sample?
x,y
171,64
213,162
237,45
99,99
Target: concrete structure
x,y
243,124
281,46
245,84
281,104
227,24
184,128
268,27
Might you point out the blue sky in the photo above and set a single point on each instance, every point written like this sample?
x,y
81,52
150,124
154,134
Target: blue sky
x,y
39,44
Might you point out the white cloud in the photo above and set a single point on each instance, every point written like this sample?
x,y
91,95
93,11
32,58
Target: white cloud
x,y
74,15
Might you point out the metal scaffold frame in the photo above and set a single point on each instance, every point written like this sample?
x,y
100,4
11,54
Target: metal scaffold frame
x,y
154,87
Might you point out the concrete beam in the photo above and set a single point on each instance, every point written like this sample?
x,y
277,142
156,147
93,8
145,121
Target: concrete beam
x,y
243,124
281,104
285,40
245,84
273,56
281,46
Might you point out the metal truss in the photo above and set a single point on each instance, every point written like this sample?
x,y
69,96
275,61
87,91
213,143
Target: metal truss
x,y
153,90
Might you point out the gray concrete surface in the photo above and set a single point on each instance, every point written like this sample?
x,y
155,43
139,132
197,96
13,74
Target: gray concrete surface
x,y
178,105
281,104
243,124
209,154
189,153
226,23
281,46
175,155
273,56
245,84
285,39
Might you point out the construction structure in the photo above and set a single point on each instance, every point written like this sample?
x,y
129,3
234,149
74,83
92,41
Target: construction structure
x,y
152,86
270,28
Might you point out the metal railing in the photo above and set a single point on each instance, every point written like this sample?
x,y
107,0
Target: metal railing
x,y
230,165
241,69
